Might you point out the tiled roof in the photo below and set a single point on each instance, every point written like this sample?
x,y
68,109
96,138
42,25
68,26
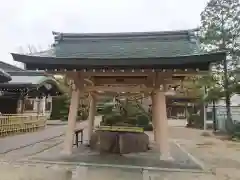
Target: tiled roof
x,y
161,50
30,77
33,79
4,77
8,67
126,45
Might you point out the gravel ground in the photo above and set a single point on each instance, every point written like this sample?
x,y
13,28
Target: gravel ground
x,y
221,157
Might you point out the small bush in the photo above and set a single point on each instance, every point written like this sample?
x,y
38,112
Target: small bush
x,y
195,121
107,109
148,127
131,120
112,119
142,120
60,106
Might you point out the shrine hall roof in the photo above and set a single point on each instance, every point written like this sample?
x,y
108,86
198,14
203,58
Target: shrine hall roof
x,y
147,49
126,45
4,76
31,80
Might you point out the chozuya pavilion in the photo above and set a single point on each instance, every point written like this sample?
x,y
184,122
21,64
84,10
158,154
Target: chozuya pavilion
x,y
138,62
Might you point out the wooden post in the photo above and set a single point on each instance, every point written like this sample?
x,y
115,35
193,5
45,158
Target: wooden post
x,y
91,116
23,105
160,113
154,116
19,106
73,109
38,105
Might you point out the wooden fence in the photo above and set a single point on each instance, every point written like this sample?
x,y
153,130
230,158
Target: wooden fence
x,y
11,124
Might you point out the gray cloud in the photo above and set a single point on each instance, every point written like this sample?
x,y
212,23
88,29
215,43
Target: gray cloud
x,y
25,22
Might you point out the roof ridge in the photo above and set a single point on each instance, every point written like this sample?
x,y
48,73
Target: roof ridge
x,y
58,36
45,52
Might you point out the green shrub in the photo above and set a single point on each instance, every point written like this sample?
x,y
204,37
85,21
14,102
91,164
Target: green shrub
x,y
128,115
148,127
131,120
195,121
60,106
107,109
111,119
132,110
142,120
82,114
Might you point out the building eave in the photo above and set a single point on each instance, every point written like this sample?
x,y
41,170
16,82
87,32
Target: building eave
x,y
191,61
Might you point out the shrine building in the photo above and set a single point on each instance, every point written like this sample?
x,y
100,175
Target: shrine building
x,y
153,63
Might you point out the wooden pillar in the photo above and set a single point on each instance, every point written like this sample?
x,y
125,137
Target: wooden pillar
x,y
19,106
38,101
154,116
91,116
161,123
73,109
23,105
43,105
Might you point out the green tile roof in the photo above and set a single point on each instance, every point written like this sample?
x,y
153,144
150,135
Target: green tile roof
x,y
8,67
161,50
125,45
4,77
32,79
29,77
35,80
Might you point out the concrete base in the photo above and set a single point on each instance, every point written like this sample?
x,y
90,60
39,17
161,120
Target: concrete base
x,y
177,159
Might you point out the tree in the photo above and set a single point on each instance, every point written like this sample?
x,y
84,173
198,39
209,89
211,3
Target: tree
x,y
209,90
220,28
220,31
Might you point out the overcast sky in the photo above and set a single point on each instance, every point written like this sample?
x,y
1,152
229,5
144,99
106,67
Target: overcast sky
x,y
31,22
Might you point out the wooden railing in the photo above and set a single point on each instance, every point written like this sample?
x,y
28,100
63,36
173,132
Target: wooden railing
x,y
11,124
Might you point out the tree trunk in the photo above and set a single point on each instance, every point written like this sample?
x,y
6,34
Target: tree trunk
x,y
214,117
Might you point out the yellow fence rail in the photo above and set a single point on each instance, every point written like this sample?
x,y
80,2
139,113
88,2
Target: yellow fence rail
x,y
14,124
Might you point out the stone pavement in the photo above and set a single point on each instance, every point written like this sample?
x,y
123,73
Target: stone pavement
x,y
56,122
11,143
19,141
177,122
221,159
151,158
52,172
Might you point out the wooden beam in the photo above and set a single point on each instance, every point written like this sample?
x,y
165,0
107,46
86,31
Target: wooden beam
x,y
78,81
190,73
117,89
120,80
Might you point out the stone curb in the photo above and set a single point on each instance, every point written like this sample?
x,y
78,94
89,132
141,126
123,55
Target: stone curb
x,y
73,165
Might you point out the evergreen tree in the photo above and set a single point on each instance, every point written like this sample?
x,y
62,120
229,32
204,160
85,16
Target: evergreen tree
x,y
220,28
220,31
